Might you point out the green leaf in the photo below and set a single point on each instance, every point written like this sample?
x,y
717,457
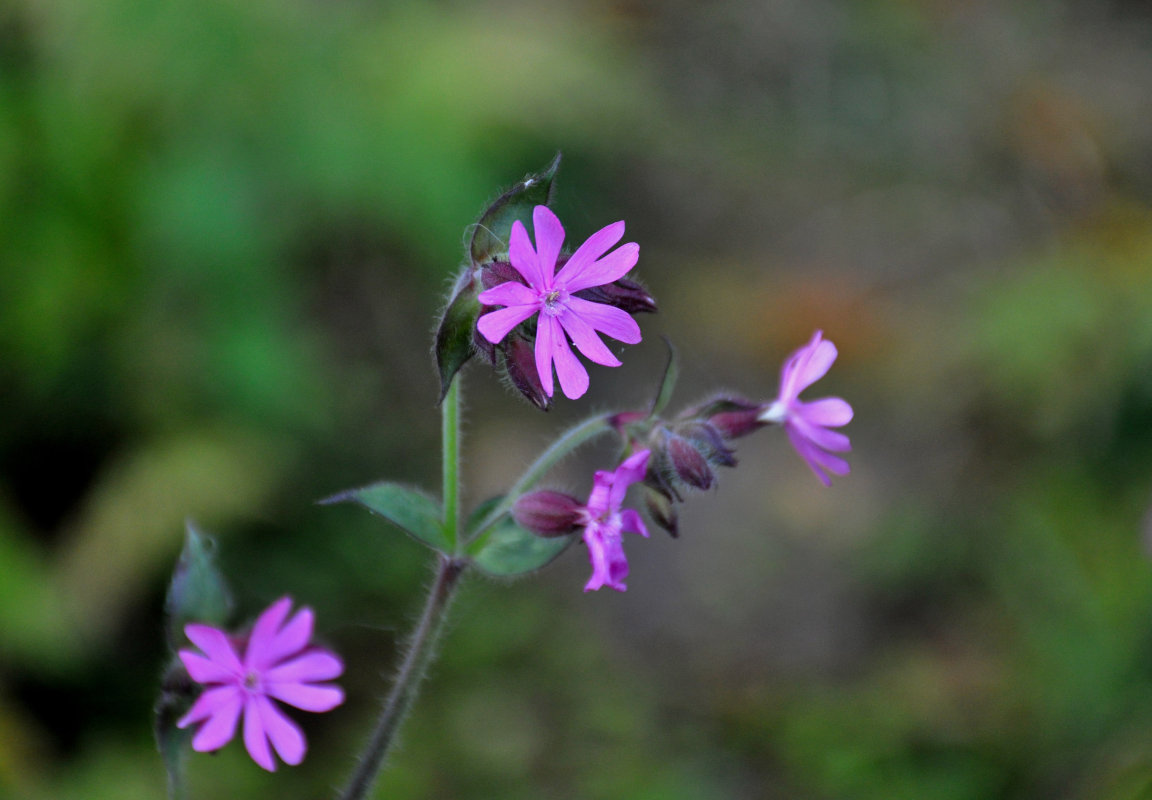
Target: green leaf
x,y
490,236
506,549
668,382
454,332
404,507
198,591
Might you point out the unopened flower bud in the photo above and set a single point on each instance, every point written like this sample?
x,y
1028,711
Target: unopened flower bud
x,y
520,366
690,466
625,294
708,442
548,513
498,272
731,417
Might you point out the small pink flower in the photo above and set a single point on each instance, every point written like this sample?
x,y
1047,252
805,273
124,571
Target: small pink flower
x,y
277,664
807,423
605,521
551,294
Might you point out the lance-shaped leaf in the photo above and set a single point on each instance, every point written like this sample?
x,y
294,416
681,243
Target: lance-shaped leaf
x,y
198,591
490,236
456,328
407,508
506,549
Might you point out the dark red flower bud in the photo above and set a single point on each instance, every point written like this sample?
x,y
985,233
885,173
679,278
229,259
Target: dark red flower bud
x,y
520,365
731,417
498,272
708,442
548,513
690,466
625,294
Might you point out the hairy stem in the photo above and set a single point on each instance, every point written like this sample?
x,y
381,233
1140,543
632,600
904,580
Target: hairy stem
x,y
450,462
570,440
421,651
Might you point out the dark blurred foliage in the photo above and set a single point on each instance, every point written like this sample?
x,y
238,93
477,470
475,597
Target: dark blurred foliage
x,y
225,228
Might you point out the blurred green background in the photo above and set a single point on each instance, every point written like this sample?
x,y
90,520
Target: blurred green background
x,y
225,230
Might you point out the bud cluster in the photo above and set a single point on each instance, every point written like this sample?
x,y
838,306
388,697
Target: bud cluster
x,y
686,450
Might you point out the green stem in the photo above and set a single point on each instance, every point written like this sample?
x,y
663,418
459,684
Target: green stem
x,y
421,650
450,463
570,440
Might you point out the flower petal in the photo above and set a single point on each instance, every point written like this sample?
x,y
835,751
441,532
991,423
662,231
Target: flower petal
x,y
552,347
223,711
523,257
509,293
586,339
495,325
632,522
315,665
817,458
549,239
588,253
821,437
306,696
599,499
547,331
289,640
607,319
611,267
631,470
208,703
264,633
609,565
205,670
255,738
573,376
826,412
285,734
215,644
808,365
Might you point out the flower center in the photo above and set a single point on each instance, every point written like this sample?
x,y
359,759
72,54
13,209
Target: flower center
x,y
251,680
554,301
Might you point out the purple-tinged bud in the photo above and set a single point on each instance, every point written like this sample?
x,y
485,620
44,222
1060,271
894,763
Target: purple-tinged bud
x,y
625,294
498,272
731,417
690,466
484,347
548,513
708,442
520,364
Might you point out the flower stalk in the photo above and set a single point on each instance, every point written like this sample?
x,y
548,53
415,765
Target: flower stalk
x,y
450,463
421,651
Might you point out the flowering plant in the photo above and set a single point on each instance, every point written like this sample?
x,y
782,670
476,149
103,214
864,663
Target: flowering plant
x,y
520,304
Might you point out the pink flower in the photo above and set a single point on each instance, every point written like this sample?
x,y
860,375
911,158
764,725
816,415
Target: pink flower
x,y
277,664
807,423
605,521
552,295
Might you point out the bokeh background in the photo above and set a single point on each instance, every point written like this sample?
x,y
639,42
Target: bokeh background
x,y
225,231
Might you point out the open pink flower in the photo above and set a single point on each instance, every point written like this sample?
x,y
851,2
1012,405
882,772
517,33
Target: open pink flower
x,y
605,521
551,295
807,423
277,664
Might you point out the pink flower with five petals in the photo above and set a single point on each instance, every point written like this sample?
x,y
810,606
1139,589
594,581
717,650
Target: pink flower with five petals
x,y
605,521
551,294
807,423
279,664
